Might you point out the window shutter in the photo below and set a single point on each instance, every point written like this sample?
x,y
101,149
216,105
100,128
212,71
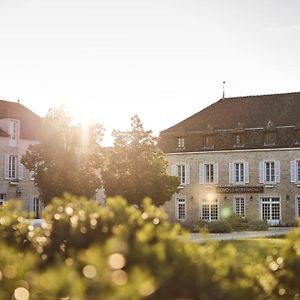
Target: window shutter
x,y
216,173
293,171
174,170
21,169
261,172
246,172
277,171
187,174
231,173
6,167
201,173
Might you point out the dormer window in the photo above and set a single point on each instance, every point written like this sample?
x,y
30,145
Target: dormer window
x,y
270,138
180,143
238,140
13,132
270,134
209,141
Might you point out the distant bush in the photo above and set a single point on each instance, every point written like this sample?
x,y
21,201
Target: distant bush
x,y
119,252
237,222
258,225
219,226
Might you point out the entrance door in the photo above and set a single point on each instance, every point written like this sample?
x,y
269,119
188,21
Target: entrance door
x,y
270,210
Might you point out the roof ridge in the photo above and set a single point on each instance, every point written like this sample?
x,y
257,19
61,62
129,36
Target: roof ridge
x,y
261,95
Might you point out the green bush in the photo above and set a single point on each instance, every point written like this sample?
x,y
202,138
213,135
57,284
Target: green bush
x,y
219,226
83,252
258,225
237,222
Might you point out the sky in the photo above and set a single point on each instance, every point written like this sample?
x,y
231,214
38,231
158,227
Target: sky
x,y
106,60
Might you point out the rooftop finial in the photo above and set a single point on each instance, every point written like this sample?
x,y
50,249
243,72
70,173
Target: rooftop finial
x,y
18,100
223,90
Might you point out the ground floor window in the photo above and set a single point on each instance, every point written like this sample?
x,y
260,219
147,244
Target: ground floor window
x,y
209,211
298,207
181,209
37,208
239,206
2,199
270,209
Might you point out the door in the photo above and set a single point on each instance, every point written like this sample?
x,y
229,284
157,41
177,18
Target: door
x,y
271,210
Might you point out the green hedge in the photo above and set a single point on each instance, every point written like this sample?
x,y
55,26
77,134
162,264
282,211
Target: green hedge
x,y
84,251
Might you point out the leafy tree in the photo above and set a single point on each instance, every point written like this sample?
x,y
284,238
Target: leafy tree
x,y
135,167
67,157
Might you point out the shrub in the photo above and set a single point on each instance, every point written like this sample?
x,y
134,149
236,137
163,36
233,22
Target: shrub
x,y
219,226
258,225
237,222
118,252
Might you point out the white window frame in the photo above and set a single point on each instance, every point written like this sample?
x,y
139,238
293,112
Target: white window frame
x,y
13,132
13,167
209,204
181,142
263,174
2,199
297,206
211,168
238,210
180,200
295,171
271,221
243,168
177,170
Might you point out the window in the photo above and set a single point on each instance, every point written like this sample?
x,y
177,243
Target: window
x,y
270,138
180,142
239,206
238,173
37,208
31,175
295,171
209,141
270,210
238,140
297,206
182,171
269,172
12,167
181,209
13,132
2,199
209,211
208,173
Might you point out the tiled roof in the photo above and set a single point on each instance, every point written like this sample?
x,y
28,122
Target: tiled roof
x,y
250,111
30,121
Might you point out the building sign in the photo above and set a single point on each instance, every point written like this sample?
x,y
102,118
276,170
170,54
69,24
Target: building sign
x,y
239,189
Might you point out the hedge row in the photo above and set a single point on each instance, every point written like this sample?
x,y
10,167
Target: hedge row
x,y
85,252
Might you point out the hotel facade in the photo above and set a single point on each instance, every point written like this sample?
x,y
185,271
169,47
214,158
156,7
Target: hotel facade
x,y
18,130
241,154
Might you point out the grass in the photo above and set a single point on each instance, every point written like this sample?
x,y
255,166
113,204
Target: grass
x,y
258,248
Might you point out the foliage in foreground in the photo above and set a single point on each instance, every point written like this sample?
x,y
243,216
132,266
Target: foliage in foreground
x,y
117,251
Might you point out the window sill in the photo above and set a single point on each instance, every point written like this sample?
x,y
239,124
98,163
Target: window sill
x,y
269,185
14,182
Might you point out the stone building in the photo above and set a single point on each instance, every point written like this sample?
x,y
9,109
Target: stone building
x,y
18,129
242,153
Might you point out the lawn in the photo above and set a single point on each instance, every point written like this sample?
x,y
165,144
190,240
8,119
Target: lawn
x,y
257,248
